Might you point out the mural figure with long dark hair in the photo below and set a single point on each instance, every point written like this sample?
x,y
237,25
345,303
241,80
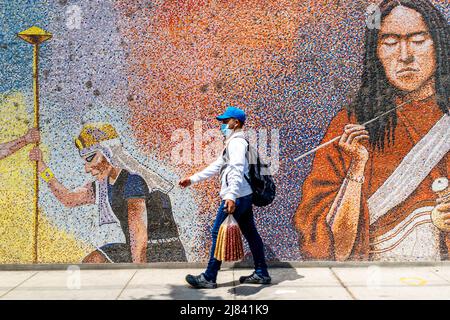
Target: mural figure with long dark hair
x,y
381,192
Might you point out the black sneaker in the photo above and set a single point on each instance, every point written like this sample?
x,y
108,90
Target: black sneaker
x,y
256,279
199,282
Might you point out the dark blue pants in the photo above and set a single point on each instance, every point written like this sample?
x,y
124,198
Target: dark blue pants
x,y
244,216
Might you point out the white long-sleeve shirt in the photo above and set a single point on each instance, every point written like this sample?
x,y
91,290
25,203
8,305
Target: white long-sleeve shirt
x,y
233,183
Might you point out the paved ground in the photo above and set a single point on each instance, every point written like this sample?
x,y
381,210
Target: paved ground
x,y
422,282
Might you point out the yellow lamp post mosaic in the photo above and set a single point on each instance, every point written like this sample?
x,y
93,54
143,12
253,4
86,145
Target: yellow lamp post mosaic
x,y
35,36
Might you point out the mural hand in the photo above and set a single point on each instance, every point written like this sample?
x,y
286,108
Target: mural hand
x,y
351,142
441,216
35,154
32,136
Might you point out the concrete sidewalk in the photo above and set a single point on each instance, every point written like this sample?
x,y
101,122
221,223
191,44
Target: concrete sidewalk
x,y
419,282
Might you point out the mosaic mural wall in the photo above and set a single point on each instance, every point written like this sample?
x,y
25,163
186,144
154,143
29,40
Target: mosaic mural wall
x,y
150,77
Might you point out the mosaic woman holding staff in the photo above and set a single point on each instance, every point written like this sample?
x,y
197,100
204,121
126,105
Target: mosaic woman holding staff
x,y
121,191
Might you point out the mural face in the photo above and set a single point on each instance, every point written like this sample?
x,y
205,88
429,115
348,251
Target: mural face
x,y
406,49
97,165
138,85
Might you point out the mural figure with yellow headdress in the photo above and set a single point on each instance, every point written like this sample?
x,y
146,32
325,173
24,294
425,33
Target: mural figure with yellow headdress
x,y
126,193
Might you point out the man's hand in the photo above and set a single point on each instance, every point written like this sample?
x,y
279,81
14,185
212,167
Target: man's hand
x,y
32,136
186,182
230,206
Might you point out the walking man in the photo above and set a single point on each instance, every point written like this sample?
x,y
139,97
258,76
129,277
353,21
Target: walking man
x,y
236,194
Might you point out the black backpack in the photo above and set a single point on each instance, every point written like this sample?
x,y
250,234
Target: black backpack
x,y
259,179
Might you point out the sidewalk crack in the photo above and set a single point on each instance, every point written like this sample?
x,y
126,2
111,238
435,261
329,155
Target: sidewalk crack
x,y
436,273
126,285
12,289
342,284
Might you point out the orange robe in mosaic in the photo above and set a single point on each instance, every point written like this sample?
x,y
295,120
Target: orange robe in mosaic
x,y
329,171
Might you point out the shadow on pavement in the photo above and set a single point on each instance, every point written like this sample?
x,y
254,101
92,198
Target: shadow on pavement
x,y
286,273
184,292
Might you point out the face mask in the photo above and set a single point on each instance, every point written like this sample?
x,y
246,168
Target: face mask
x,y
225,130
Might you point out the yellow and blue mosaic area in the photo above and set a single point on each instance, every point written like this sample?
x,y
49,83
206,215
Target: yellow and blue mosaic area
x,y
151,69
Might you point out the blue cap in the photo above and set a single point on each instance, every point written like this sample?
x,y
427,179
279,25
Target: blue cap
x,y
232,112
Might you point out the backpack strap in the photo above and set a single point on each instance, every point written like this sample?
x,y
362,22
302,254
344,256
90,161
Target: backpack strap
x,y
226,158
248,160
